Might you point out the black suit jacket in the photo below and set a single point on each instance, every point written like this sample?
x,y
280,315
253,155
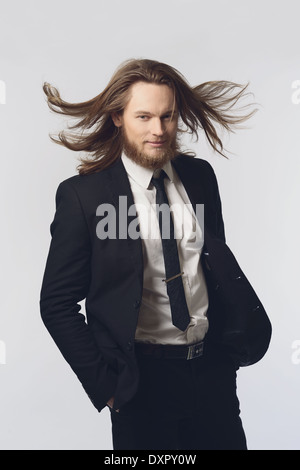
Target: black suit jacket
x,y
109,275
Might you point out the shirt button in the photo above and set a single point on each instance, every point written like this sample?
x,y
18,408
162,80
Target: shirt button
x,y
137,303
129,346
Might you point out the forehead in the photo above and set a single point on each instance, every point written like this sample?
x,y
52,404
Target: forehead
x,y
150,97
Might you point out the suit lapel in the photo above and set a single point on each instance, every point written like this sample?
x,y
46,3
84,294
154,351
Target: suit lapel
x,y
118,186
190,180
193,186
196,192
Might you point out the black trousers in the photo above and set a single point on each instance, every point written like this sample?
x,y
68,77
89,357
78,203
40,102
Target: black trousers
x,y
181,404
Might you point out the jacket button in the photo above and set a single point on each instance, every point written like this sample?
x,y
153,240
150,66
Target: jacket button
x,y
137,303
129,346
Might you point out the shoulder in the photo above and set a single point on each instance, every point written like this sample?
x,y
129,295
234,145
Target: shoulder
x,y
84,185
191,161
89,190
195,168
78,182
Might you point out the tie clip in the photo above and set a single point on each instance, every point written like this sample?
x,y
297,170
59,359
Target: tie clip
x,y
173,277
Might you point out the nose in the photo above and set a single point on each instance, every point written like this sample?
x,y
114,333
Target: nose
x,y
157,127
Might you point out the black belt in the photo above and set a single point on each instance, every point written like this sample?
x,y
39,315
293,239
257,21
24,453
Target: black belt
x,y
166,351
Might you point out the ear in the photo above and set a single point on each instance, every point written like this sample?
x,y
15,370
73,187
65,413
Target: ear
x,y
117,119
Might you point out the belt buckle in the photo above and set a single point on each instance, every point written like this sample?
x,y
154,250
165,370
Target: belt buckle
x,y
195,350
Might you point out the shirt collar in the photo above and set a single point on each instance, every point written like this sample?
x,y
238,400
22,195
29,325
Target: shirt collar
x,y
142,175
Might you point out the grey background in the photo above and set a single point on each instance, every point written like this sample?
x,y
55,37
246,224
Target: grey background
x,y
76,46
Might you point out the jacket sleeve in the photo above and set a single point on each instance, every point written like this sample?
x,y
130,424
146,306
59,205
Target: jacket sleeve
x,y
65,283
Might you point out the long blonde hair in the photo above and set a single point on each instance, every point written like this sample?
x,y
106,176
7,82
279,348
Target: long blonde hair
x,y
200,108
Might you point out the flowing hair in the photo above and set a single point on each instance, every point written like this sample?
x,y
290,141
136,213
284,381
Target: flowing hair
x,y
202,107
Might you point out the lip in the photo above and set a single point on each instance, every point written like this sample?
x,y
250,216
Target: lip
x,y
156,144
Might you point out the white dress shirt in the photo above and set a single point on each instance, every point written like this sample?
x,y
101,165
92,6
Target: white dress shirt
x,y
155,321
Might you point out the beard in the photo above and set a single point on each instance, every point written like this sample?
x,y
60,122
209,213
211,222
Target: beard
x,y
147,160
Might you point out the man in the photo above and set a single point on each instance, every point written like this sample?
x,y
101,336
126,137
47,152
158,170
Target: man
x,y
167,325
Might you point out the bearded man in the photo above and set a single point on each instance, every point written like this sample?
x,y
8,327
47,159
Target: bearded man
x,y
169,318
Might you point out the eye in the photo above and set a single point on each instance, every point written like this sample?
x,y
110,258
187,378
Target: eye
x,y
143,117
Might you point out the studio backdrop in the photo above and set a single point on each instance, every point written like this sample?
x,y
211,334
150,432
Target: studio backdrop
x,y
76,46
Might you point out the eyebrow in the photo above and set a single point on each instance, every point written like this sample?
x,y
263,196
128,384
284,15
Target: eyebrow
x,y
170,111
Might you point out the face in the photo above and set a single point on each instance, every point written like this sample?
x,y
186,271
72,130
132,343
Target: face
x,y
149,125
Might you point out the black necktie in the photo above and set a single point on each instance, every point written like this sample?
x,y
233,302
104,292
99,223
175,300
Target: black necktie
x,y
175,289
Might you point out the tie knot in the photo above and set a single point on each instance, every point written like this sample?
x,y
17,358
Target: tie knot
x,y
159,182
